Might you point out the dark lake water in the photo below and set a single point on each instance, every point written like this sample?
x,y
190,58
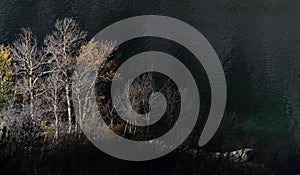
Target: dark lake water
x,y
257,42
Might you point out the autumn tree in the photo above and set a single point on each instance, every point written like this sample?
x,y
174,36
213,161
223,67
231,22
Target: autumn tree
x,y
93,56
6,79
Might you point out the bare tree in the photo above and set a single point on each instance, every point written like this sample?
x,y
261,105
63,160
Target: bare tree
x,y
137,94
53,93
61,46
143,97
29,68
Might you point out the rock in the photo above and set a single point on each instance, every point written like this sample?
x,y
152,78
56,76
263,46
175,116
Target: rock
x,y
242,155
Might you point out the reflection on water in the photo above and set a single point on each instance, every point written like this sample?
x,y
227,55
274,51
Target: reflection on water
x,y
257,42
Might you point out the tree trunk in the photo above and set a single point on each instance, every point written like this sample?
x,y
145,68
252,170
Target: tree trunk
x,y
69,107
31,110
56,123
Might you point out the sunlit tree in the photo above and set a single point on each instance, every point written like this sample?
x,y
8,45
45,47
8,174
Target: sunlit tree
x,y
6,79
62,46
29,69
92,56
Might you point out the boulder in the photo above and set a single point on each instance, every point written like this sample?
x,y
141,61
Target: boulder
x,y
241,155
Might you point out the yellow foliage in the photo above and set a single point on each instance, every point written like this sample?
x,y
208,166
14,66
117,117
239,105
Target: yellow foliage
x,y
6,78
117,128
44,123
95,54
